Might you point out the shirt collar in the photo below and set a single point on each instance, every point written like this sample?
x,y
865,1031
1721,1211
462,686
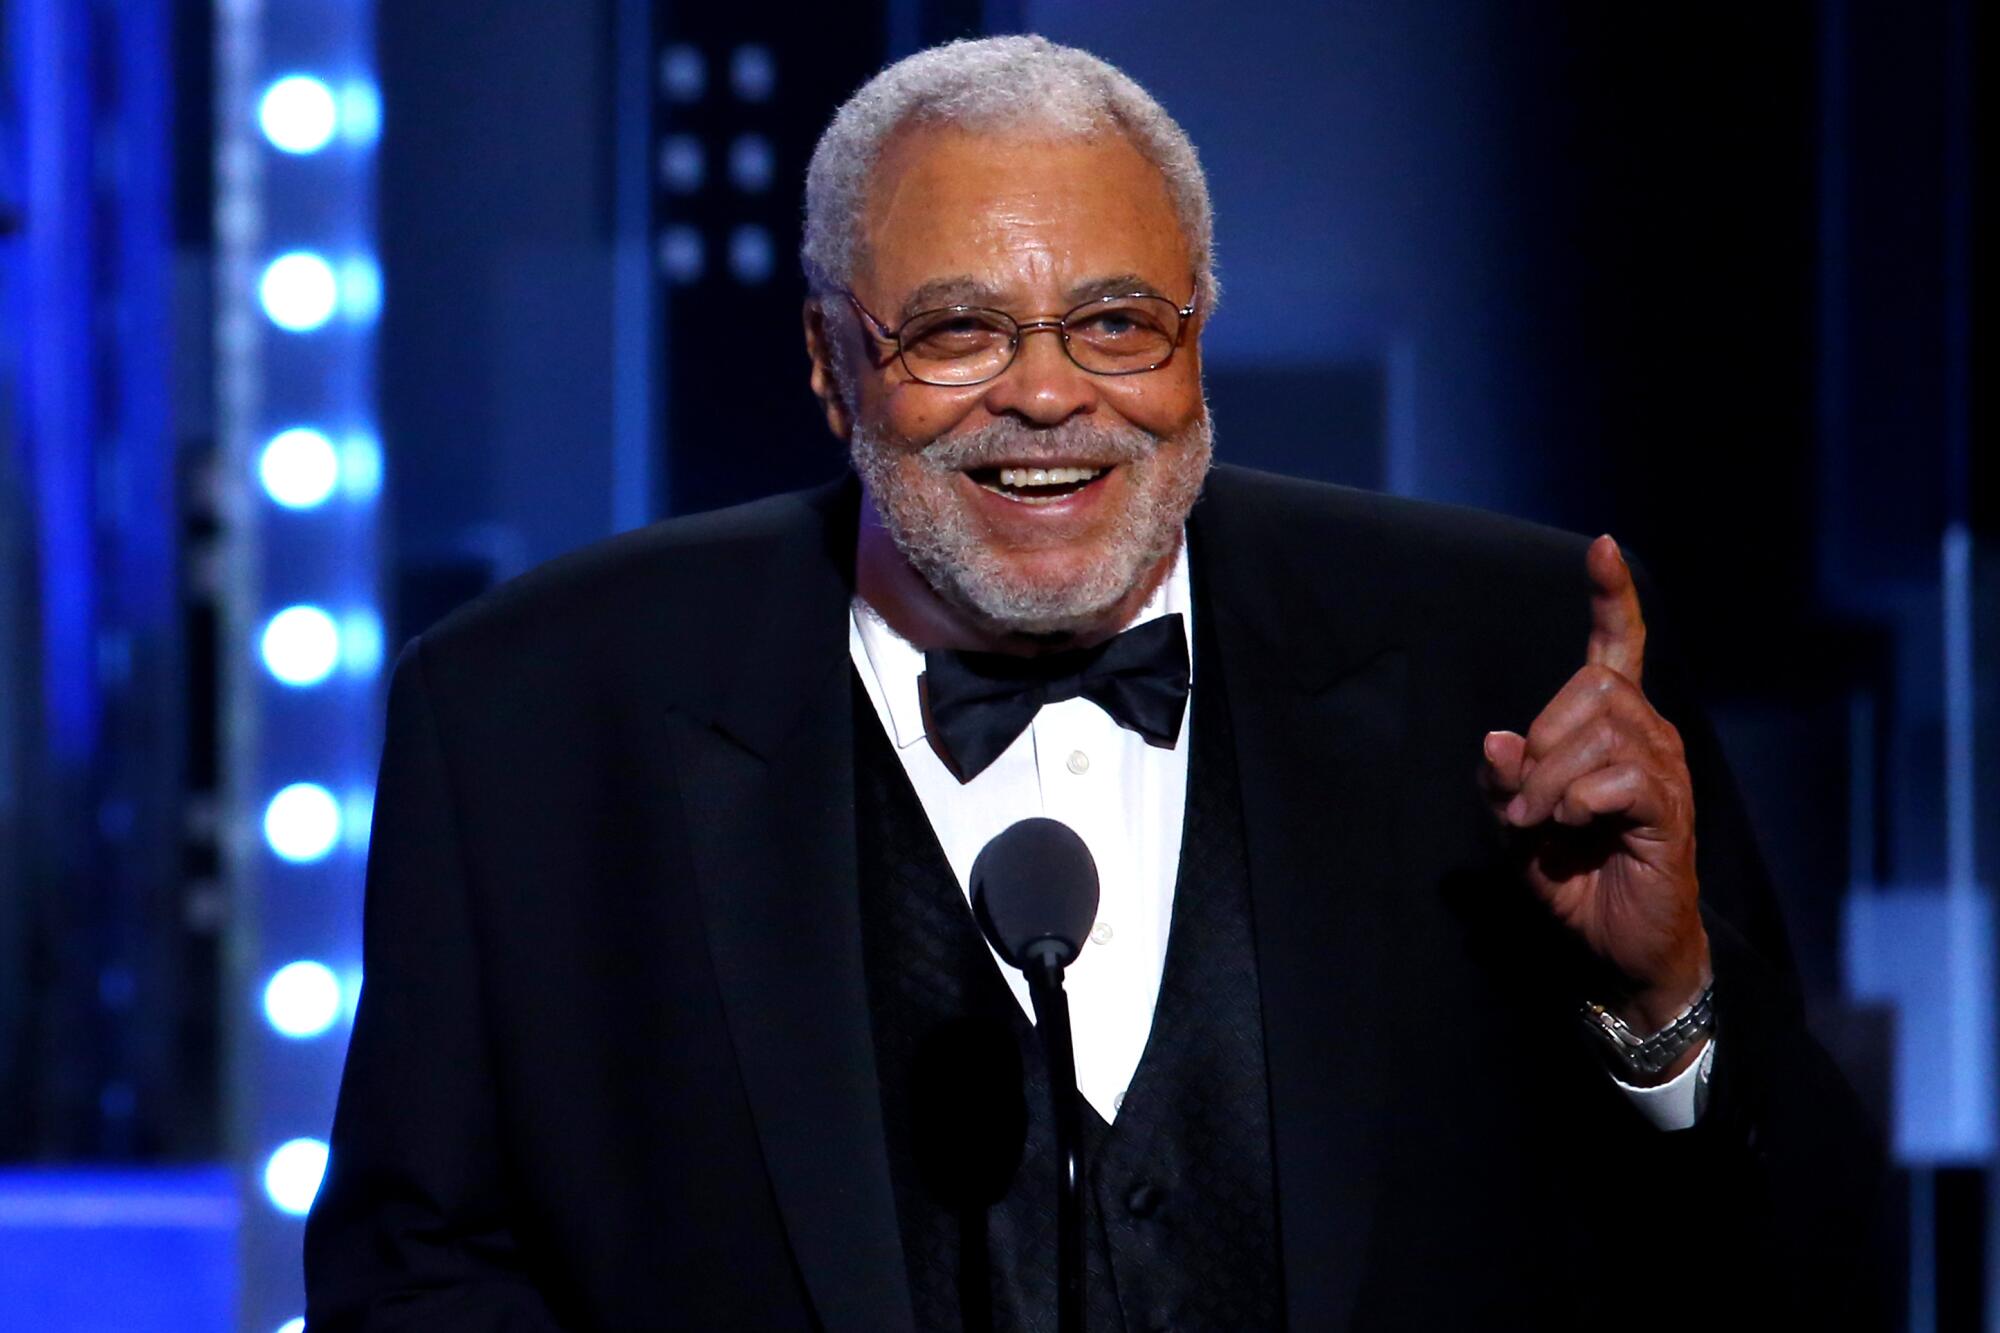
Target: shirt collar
x,y
896,663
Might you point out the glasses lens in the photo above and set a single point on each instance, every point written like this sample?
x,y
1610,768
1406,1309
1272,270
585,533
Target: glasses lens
x,y
1124,333
958,346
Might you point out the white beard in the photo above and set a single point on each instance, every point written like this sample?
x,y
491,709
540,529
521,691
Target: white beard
x,y
914,497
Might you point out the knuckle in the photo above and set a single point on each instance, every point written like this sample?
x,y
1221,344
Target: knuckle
x,y
1630,699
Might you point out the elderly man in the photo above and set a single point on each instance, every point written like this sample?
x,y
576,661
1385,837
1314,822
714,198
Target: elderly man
x,y
1393,1017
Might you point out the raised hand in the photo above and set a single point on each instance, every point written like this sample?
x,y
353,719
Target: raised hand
x,y
1599,792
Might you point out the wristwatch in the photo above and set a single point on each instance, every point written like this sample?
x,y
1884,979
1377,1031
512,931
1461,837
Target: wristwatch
x,y
1648,1057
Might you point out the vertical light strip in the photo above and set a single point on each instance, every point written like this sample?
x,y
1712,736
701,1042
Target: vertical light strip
x,y
637,330
58,406
298,292
1961,864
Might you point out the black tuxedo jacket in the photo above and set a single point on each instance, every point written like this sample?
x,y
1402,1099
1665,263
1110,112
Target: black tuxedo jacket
x,y
612,1065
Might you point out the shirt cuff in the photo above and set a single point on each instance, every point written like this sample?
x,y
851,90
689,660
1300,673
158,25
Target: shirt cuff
x,y
1675,1104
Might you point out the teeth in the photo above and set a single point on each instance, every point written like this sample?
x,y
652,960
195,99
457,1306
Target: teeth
x,y
1046,476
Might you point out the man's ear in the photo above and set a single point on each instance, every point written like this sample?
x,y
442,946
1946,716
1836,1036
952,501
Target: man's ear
x,y
820,334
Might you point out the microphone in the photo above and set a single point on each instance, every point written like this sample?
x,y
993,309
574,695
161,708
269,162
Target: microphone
x,y
1034,892
1034,888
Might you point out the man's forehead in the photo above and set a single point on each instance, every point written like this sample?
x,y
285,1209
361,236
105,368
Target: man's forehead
x,y
955,218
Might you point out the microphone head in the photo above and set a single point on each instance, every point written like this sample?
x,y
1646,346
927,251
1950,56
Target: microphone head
x,y
1034,891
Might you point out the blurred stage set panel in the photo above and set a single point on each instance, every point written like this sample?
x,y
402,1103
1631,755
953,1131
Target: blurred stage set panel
x,y
321,318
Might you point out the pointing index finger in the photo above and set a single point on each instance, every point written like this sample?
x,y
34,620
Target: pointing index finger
x,y
1617,630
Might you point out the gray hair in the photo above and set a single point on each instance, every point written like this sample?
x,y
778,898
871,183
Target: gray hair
x,y
992,84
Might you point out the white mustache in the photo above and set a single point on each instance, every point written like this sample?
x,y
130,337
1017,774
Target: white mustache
x,y
1009,442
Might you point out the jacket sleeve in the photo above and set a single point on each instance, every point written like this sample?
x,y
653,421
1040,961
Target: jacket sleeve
x,y
411,1229
1783,1180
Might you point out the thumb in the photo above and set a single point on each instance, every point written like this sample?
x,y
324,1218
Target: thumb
x,y
1506,753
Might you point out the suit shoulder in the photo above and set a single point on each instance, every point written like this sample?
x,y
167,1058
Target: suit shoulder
x,y
1386,536
579,606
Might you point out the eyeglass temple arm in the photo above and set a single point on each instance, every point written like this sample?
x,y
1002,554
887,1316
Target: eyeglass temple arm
x,y
881,330
1187,311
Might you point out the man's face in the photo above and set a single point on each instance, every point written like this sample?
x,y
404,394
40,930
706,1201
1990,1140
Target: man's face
x,y
1032,228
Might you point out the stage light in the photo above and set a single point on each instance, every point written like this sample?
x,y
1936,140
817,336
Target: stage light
x,y
357,816
293,1173
303,999
297,419
750,254
360,289
298,114
299,291
751,163
298,468
361,643
301,645
360,113
297,1325
302,822
682,167
361,467
683,73
752,72
681,254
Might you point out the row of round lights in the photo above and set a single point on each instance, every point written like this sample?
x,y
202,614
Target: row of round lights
x,y
753,74
684,164
680,250
683,254
302,646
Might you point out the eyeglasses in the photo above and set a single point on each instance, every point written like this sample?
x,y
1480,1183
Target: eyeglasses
x,y
960,345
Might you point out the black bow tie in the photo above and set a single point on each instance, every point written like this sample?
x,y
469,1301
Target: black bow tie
x,y
979,703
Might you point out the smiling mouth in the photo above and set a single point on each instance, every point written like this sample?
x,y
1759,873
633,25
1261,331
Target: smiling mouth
x,y
1036,485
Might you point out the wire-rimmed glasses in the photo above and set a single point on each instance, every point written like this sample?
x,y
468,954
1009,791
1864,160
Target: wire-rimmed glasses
x,y
960,345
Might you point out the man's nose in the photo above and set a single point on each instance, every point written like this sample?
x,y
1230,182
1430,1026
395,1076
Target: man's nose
x,y
1043,385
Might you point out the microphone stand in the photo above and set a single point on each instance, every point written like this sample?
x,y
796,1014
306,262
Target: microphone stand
x,y
1045,988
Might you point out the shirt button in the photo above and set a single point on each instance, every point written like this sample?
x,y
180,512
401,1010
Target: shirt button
x,y
1118,1101
1101,933
1079,762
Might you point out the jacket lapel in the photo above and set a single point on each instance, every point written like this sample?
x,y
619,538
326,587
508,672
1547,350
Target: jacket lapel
x,y
1316,696
768,795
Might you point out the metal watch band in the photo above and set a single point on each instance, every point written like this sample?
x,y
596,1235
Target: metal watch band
x,y
1648,1057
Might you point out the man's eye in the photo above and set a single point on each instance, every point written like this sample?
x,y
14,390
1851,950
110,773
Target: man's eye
x,y
962,327
956,335
1112,324
1118,324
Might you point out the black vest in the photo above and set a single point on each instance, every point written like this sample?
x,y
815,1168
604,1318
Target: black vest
x,y
1180,1216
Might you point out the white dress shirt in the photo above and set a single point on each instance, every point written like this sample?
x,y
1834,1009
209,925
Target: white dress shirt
x,y
1127,800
